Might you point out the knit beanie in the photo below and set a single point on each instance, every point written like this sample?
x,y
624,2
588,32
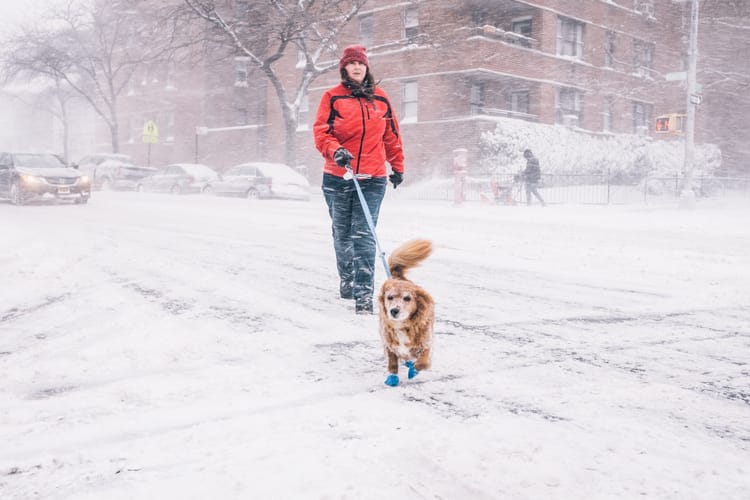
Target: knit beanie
x,y
353,53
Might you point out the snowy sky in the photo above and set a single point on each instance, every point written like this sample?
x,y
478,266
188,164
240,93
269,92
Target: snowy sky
x,y
194,347
12,12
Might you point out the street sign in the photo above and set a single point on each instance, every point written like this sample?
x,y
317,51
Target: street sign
x,y
150,133
675,76
695,99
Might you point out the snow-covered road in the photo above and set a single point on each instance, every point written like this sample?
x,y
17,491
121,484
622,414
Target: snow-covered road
x,y
194,347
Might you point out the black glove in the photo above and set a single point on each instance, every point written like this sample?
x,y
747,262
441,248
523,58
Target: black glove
x,y
342,157
396,178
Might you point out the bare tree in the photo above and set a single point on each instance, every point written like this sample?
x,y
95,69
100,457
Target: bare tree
x,y
265,33
89,48
53,99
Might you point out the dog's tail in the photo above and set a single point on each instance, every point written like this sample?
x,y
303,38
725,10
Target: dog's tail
x,y
408,255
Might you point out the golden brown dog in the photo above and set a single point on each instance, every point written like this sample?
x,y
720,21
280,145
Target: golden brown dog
x,y
407,313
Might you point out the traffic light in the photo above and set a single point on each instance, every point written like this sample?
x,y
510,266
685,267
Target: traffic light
x,y
673,123
662,124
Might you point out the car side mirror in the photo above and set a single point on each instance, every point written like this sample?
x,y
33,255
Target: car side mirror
x,y
74,165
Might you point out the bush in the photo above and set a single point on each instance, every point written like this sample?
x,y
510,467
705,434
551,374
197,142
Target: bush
x,y
627,158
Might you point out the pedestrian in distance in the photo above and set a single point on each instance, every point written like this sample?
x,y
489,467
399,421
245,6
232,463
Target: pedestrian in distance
x,y
532,174
355,126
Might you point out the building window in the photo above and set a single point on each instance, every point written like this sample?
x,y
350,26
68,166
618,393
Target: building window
x,y
131,130
242,9
569,38
303,117
478,17
645,7
476,98
569,108
609,49
240,72
411,22
643,53
169,79
132,85
410,100
641,117
240,116
607,114
366,29
522,26
169,132
519,101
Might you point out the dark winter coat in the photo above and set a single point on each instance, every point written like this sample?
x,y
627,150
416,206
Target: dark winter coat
x,y
367,128
532,173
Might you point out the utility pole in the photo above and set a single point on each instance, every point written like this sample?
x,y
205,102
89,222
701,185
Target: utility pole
x,y
687,196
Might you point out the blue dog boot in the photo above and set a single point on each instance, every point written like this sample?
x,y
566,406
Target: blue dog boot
x,y
412,371
392,380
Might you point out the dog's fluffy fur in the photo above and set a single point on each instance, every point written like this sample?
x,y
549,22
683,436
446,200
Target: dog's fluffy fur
x,y
407,311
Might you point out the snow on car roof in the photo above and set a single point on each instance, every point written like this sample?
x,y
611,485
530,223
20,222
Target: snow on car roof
x,y
276,170
196,168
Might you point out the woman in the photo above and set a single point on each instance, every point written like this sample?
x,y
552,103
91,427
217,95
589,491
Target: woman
x,y
355,126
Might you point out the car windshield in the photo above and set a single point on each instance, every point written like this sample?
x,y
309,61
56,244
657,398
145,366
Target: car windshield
x,y
37,161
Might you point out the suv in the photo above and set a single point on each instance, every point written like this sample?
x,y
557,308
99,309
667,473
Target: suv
x,y
38,176
100,167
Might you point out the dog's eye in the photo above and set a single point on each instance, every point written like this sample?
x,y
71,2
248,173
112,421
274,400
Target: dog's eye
x,y
390,297
407,298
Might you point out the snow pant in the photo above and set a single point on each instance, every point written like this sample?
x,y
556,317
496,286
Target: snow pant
x,y
531,188
353,241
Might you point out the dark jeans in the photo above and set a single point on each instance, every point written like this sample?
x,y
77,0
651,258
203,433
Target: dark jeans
x,y
353,241
531,188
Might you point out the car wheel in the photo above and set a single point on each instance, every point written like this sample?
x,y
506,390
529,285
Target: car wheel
x,y
81,201
206,190
16,194
252,194
175,189
139,188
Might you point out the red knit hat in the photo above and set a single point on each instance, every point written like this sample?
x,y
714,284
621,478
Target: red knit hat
x,y
353,53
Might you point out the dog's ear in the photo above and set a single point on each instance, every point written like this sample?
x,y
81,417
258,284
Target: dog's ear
x,y
424,310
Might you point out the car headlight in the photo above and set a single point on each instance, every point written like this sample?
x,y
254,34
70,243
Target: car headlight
x,y
84,179
32,179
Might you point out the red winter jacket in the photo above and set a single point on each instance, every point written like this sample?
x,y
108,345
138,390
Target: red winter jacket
x,y
368,129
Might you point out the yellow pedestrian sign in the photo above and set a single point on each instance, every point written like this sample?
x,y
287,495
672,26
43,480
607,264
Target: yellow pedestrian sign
x,y
150,133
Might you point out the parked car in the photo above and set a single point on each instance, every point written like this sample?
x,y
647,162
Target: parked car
x,y
262,180
101,178
40,177
116,174
180,178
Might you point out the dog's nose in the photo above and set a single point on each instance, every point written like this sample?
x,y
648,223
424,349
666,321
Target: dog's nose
x,y
395,311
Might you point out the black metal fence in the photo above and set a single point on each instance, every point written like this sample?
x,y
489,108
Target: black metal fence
x,y
599,189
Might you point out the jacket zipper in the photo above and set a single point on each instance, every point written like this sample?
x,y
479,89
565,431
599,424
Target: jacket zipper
x,y
361,139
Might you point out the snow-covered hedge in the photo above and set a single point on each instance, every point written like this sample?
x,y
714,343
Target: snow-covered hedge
x,y
564,151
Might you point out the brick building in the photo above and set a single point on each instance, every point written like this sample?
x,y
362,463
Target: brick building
x,y
451,68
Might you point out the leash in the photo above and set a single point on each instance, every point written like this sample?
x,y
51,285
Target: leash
x,y
368,216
